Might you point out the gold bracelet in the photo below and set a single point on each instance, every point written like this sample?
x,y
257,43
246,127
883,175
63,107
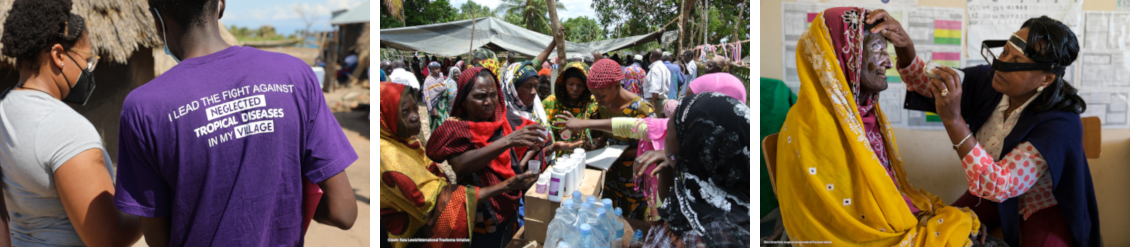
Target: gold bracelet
x,y
958,145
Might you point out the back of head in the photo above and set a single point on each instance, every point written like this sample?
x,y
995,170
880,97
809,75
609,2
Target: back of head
x,y
397,65
656,54
1051,41
187,13
34,25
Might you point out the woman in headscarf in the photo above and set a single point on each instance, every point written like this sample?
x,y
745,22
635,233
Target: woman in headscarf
x,y
651,132
1015,125
434,88
440,105
419,198
614,101
840,177
571,97
519,87
633,78
485,144
703,175
483,57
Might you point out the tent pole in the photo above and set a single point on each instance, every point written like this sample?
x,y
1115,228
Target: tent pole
x,y
558,34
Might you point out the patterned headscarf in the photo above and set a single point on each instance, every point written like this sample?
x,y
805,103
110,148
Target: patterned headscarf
x,y
711,170
483,53
492,65
633,78
516,75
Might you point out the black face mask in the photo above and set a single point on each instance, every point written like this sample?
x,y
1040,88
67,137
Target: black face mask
x,y
83,88
1019,45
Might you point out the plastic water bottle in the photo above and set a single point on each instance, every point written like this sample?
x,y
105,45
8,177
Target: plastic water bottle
x,y
618,225
638,239
561,227
586,237
592,199
577,197
602,228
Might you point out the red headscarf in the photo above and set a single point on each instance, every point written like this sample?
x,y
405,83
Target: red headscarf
x,y
391,95
456,136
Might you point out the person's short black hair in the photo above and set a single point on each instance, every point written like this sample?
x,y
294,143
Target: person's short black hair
x,y
187,13
32,26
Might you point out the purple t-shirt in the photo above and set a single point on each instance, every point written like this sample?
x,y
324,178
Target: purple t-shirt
x,y
220,143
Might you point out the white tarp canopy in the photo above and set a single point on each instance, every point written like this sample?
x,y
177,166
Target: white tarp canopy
x,y
455,38
360,14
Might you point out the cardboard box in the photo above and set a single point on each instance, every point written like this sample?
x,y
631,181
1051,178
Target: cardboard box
x,y
538,206
540,211
535,230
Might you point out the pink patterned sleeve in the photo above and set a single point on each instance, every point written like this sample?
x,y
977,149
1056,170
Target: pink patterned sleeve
x,y
1011,177
915,78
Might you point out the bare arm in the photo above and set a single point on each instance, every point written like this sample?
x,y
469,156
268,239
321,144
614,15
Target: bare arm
x,y
5,233
548,49
157,231
518,182
338,206
87,194
477,159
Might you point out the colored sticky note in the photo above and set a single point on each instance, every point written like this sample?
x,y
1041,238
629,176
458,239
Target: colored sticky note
x,y
933,117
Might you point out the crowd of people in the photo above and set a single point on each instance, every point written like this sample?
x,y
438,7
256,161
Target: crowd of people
x,y
685,169
181,177
1014,124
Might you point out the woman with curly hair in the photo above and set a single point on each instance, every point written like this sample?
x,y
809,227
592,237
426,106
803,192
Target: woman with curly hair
x,y
57,177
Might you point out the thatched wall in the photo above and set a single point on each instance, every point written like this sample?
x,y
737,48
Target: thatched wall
x,y
122,32
117,28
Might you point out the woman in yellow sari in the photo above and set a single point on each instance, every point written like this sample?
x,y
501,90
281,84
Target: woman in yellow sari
x,y
840,179
418,198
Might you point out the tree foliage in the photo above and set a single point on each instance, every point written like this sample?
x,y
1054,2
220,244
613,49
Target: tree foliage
x,y
534,14
421,12
582,29
623,18
471,10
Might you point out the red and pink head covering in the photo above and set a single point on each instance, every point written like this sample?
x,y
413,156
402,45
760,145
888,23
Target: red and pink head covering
x,y
605,73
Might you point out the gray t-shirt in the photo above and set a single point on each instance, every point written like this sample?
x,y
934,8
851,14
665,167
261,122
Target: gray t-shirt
x,y
37,135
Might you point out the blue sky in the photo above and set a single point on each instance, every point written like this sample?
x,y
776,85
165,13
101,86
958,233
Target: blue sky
x,y
282,13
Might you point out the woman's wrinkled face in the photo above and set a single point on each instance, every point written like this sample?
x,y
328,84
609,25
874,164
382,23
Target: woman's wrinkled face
x,y
1018,83
543,89
482,99
528,91
876,61
575,87
409,116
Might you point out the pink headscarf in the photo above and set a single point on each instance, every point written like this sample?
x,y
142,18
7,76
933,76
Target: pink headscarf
x,y
669,107
722,83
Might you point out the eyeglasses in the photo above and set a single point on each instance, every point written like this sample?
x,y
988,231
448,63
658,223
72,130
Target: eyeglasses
x,y
1019,44
90,63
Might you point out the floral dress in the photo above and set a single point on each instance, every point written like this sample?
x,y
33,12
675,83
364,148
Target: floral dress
x,y
618,183
584,110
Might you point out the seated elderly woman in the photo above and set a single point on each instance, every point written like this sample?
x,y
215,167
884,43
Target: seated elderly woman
x,y
485,145
839,175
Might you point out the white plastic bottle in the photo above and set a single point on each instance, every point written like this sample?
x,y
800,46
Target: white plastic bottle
x,y
557,182
561,227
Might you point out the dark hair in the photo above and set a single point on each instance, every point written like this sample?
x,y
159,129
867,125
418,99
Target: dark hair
x,y
574,73
35,25
1051,41
187,13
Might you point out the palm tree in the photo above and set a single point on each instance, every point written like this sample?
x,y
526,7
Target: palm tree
x,y
533,12
395,7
